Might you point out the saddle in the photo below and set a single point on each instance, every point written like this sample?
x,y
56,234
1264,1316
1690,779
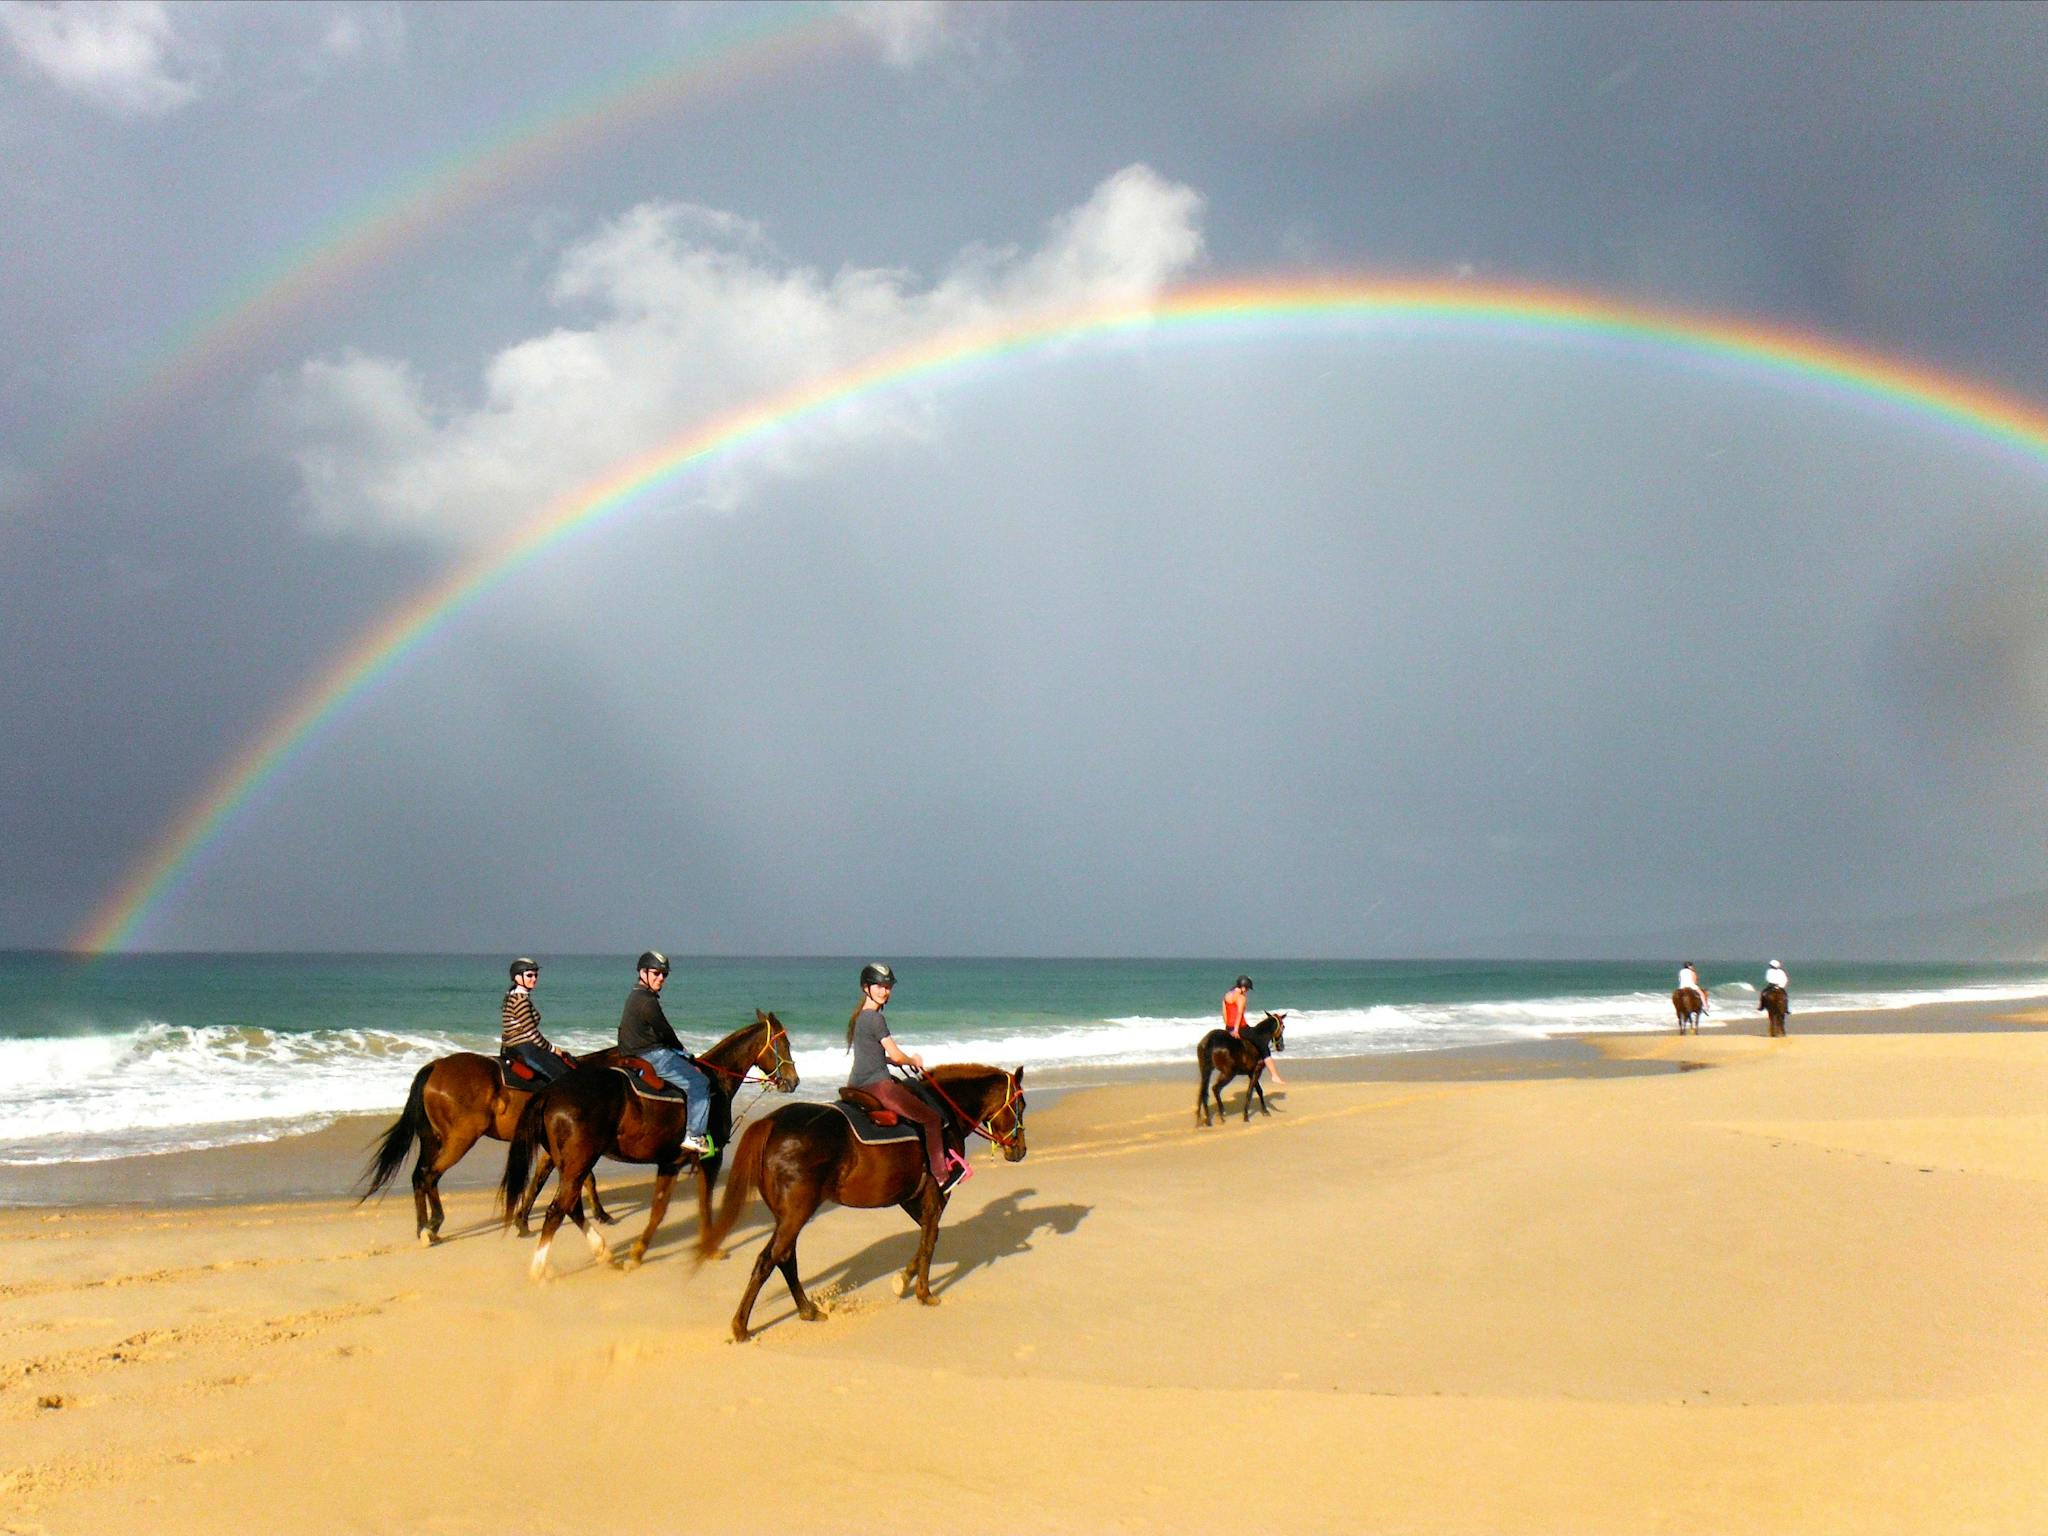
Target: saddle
x,y
866,1102
877,1126
518,1077
641,1077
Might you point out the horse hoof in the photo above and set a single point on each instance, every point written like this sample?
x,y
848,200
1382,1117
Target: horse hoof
x,y
900,1284
740,1335
927,1298
811,1315
428,1239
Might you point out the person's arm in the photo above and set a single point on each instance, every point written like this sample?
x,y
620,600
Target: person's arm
x,y
899,1056
664,1030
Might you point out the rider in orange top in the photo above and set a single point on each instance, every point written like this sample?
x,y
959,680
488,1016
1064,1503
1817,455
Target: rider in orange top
x,y
1233,1022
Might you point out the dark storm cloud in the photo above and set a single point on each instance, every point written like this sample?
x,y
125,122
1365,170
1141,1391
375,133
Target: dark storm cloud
x,y
1330,647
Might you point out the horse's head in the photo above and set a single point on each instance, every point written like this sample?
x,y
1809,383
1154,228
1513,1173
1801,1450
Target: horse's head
x,y
1279,1023
1005,1122
989,1099
775,1059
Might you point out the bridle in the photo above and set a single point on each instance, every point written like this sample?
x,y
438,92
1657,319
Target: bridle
x,y
771,1076
985,1126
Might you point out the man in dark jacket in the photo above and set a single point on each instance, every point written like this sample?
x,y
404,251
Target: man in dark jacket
x,y
644,1031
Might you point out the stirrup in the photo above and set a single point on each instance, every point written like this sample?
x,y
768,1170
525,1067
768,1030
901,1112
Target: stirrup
x,y
959,1171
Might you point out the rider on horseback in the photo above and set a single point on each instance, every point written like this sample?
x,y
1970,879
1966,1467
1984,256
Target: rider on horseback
x,y
522,1040
1688,977
874,1051
1775,976
644,1031
1233,1023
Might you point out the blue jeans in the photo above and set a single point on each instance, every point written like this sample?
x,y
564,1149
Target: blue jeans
x,y
546,1063
677,1068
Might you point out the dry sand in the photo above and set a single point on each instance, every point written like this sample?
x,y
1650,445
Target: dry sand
x,y
1806,1290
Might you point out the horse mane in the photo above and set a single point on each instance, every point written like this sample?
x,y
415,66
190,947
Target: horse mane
x,y
965,1077
732,1042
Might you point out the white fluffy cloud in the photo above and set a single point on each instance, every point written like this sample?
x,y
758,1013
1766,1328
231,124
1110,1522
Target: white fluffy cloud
x,y
125,55
697,315
907,31
355,33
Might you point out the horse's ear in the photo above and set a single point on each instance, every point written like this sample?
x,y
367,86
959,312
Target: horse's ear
x,y
1020,1077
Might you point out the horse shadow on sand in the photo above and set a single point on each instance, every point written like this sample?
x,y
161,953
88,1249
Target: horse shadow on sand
x,y
1005,1228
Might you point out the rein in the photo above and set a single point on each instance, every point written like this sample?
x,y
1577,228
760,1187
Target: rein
x,y
769,1077
769,1073
986,1125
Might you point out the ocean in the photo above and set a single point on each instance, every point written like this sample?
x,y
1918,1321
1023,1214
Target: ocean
x,y
133,1054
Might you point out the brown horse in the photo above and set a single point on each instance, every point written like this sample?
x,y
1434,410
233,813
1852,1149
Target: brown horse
x,y
454,1102
1773,1001
805,1154
593,1113
1688,1004
1228,1056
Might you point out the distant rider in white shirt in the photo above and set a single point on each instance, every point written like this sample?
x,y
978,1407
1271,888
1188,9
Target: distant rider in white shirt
x,y
1688,977
1774,976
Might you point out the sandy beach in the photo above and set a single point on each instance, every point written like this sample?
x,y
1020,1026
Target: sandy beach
x,y
1797,1291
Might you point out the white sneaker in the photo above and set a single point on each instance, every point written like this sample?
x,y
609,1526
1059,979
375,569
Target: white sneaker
x,y
701,1145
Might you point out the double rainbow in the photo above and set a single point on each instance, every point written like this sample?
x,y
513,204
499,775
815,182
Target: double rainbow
x,y
372,233
1249,309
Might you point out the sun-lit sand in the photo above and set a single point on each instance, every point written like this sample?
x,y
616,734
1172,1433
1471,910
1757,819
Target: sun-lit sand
x,y
1805,1290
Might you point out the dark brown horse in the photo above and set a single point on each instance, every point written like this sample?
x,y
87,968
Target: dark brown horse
x,y
454,1103
1228,1056
1773,1001
1688,1004
805,1154
592,1113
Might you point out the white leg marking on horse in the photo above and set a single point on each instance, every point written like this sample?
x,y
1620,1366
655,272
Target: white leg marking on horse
x,y
599,1249
539,1268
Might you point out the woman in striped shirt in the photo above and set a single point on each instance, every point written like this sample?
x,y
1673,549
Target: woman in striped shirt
x,y
522,1040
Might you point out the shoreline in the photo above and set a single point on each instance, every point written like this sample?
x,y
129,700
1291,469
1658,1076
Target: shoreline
x,y
323,1164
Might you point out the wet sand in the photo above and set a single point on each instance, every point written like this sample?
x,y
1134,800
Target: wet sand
x,y
1570,1289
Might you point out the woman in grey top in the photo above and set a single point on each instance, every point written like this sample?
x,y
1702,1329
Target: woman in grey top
x,y
874,1051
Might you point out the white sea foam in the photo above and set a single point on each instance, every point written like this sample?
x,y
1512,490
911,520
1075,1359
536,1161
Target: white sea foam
x,y
160,1086
163,1086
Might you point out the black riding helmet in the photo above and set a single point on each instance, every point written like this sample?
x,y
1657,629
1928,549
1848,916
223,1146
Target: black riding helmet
x,y
653,960
876,974
1245,982
522,965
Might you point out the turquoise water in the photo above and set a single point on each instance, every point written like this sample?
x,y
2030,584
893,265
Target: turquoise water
x,y
140,1053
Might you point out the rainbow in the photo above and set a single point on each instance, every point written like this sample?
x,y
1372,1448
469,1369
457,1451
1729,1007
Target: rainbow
x,y
1520,313
331,260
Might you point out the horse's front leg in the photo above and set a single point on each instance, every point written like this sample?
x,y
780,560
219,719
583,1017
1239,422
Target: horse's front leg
x,y
931,1207
707,1182
1259,1087
664,1186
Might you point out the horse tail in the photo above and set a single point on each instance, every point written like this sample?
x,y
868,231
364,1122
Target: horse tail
x,y
519,1157
410,1126
746,1174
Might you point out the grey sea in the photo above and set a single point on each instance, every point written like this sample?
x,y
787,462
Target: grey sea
x,y
112,1057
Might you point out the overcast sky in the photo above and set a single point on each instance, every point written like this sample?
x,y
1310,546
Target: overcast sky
x,y
1312,640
